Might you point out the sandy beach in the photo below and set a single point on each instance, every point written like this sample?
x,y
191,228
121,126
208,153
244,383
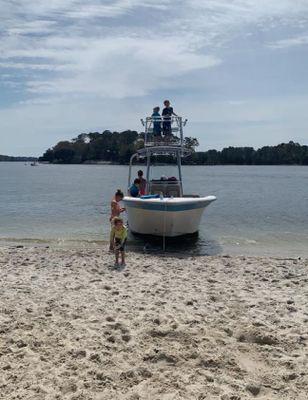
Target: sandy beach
x,y
163,327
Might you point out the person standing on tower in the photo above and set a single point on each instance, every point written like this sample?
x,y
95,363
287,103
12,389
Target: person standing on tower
x,y
167,114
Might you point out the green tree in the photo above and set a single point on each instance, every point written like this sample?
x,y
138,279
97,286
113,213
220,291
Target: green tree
x,y
191,142
48,156
64,152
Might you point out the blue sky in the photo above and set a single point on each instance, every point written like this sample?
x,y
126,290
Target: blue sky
x,y
237,69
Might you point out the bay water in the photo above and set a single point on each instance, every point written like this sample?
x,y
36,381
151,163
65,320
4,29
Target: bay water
x,y
260,210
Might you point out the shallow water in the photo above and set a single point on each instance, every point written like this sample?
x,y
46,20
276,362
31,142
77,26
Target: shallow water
x,y
260,210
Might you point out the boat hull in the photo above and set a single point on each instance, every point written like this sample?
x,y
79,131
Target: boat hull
x,y
168,217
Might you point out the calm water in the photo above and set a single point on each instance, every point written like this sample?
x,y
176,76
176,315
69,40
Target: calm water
x,y
259,210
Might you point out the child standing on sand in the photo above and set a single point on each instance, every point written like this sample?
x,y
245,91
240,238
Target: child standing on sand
x,y
118,237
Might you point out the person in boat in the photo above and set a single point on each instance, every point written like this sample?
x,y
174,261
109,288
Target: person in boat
x,y
134,188
143,183
156,119
116,209
167,114
118,236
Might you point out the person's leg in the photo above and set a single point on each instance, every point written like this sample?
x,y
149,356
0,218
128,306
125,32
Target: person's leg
x,y
167,131
164,127
123,257
167,137
155,138
117,256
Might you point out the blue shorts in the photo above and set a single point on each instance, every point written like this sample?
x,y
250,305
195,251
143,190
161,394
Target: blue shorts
x,y
157,130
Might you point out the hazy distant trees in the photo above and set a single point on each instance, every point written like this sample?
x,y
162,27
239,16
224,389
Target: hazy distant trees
x,y
93,146
283,154
20,158
117,147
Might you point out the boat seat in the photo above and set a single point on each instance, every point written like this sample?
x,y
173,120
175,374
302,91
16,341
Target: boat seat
x,y
167,188
157,188
173,191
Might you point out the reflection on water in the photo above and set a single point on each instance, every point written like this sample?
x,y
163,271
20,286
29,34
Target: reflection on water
x,y
188,245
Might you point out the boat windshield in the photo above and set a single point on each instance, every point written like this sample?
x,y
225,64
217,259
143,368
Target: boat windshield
x,y
164,172
161,178
157,172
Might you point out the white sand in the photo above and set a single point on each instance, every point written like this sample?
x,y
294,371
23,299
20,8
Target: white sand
x,y
71,327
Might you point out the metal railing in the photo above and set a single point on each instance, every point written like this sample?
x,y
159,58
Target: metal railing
x,y
164,131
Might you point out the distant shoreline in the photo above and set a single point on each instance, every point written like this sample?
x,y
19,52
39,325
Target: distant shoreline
x,y
90,162
114,148
157,164
18,159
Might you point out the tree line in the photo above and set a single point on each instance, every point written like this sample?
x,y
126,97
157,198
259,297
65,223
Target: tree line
x,y
12,158
283,154
118,147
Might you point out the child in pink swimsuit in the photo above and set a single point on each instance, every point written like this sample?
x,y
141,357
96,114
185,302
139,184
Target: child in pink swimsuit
x,y
116,209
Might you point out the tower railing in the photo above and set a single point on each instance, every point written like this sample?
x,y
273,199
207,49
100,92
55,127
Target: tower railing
x,y
164,131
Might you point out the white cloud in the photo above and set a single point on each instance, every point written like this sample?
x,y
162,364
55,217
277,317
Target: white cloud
x,y
115,8
290,42
69,36
121,67
30,66
58,9
220,21
94,59
70,52
32,27
217,124
252,122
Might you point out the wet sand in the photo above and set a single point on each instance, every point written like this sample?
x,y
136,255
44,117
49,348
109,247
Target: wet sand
x,y
74,327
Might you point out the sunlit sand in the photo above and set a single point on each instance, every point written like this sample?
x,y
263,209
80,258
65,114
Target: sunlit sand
x,y
73,327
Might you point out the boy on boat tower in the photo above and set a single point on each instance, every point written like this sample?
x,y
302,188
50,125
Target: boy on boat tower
x,y
167,114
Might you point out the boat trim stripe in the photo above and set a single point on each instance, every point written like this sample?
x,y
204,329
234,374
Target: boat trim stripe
x,y
165,206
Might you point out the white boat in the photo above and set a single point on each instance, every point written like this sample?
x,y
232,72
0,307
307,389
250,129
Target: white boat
x,y
165,210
